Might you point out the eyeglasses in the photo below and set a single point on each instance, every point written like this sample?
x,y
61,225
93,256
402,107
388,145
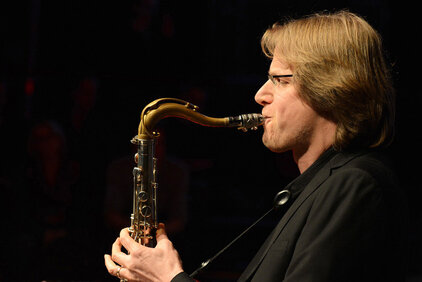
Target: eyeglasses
x,y
274,80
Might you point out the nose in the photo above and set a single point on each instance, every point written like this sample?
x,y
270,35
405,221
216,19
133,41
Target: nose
x,y
264,95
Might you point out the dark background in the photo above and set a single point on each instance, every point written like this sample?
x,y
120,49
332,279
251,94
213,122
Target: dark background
x,y
86,69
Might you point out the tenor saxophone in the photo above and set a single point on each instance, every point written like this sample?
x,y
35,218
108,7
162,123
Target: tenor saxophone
x,y
144,222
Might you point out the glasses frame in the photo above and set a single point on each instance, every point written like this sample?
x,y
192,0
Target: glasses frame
x,y
272,77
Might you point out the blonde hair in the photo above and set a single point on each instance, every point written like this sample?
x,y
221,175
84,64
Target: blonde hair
x,y
340,70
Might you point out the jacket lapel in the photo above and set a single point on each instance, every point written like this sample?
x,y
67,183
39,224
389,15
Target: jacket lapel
x,y
337,161
256,261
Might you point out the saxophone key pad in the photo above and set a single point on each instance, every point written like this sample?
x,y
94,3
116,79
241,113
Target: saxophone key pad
x,y
143,196
145,211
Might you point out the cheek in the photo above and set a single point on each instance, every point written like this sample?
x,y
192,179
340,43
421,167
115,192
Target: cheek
x,y
287,113
292,118
298,110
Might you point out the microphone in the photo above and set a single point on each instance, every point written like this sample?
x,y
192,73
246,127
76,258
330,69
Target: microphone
x,y
246,121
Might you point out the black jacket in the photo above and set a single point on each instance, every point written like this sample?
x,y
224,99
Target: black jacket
x,y
346,223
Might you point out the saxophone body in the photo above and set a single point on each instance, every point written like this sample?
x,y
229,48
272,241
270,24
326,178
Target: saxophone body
x,y
144,222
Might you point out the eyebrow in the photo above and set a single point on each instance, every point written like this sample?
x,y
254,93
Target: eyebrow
x,y
281,75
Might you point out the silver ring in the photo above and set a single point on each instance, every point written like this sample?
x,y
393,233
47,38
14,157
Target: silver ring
x,y
118,271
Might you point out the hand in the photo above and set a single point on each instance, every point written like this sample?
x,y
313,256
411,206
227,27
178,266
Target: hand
x,y
161,263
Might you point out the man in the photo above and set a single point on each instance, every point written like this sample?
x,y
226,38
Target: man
x,y
329,100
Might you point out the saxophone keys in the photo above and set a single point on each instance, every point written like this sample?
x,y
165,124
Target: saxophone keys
x,y
244,129
145,211
143,196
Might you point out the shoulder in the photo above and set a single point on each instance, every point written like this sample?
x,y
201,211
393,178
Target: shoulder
x,y
360,176
368,164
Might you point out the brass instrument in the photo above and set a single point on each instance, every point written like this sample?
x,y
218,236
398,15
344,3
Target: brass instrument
x,y
144,221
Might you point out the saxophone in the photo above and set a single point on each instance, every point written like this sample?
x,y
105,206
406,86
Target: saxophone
x,y
144,221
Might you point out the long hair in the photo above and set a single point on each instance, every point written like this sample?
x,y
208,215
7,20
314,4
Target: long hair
x,y
341,72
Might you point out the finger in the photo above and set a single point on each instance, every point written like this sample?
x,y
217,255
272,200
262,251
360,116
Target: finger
x,y
123,273
116,253
128,241
110,265
116,270
161,232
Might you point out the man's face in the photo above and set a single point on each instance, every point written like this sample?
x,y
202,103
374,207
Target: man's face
x,y
290,123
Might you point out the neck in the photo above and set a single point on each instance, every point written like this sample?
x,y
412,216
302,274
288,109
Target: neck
x,y
305,159
306,155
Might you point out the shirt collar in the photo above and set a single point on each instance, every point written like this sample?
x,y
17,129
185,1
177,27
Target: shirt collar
x,y
297,185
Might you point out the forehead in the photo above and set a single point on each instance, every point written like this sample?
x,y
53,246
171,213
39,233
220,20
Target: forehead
x,y
278,64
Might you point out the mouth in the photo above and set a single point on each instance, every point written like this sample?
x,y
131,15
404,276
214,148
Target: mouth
x,y
267,119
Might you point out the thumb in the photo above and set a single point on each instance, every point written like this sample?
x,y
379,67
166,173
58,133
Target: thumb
x,y
161,232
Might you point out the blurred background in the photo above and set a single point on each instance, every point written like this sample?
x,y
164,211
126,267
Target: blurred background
x,y
74,78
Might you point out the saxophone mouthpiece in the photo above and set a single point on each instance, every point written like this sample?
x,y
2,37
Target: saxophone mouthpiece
x,y
246,121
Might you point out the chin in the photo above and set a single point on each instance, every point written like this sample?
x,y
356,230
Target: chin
x,y
277,150
273,147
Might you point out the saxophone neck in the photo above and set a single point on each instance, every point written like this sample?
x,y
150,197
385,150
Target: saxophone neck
x,y
172,107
